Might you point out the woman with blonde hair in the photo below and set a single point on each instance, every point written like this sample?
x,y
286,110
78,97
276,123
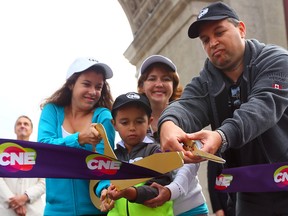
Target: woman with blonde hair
x,y
159,81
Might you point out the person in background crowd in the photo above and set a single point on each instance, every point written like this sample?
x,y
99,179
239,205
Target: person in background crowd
x,y
131,118
68,118
22,196
159,81
242,91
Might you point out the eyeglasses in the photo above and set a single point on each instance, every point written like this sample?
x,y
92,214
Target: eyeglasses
x,y
235,95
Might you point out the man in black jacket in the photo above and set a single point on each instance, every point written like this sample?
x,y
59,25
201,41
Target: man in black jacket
x,y
242,92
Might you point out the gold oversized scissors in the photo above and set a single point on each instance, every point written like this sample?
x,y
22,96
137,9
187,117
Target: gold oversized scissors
x,y
172,160
195,147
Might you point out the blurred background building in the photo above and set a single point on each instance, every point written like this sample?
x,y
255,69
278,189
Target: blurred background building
x,y
161,26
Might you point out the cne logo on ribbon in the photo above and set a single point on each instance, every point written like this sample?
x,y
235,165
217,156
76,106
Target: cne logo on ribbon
x,y
101,165
281,176
223,181
14,158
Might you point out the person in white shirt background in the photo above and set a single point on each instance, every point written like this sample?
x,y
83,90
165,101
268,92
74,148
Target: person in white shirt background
x,y
22,196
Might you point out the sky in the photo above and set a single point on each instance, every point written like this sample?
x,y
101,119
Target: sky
x,y
40,39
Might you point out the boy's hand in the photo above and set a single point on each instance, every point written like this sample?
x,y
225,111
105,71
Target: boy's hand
x,y
129,193
113,193
106,203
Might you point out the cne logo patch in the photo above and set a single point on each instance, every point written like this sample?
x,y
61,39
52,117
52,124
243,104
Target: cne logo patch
x,y
101,165
281,176
14,158
223,181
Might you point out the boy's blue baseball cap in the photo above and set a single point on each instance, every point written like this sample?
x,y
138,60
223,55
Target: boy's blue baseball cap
x,y
213,12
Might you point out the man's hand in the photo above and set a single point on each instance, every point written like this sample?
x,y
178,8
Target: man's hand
x,y
220,212
21,211
17,201
172,138
211,140
18,204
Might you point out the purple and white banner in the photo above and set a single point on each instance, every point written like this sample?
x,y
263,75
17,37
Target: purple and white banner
x,y
256,178
24,159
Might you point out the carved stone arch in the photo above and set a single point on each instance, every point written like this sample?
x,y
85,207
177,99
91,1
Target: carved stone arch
x,y
160,27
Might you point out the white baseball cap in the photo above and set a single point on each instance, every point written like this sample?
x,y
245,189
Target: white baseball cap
x,y
157,58
81,64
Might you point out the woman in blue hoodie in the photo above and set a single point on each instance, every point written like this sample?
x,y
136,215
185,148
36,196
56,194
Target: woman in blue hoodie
x,y
67,119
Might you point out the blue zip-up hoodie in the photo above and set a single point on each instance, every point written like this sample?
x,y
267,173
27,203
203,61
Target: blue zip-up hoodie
x,y
69,197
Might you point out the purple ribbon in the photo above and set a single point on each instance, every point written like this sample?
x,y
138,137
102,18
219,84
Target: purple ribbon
x,y
24,159
256,178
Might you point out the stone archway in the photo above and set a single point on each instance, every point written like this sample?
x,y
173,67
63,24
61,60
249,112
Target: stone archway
x,y
160,27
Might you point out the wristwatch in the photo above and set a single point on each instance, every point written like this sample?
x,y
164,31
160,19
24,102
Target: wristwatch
x,y
224,143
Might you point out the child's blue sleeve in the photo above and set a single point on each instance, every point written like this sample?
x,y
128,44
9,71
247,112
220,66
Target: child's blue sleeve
x,y
103,184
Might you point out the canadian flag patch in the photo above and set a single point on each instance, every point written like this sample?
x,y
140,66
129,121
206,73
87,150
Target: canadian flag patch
x,y
276,86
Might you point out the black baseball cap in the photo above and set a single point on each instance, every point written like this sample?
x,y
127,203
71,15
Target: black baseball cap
x,y
129,98
213,12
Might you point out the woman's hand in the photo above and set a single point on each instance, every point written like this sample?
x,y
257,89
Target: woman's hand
x,y
89,136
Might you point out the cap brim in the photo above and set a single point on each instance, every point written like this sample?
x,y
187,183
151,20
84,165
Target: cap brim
x,y
107,69
157,58
144,105
193,31
82,64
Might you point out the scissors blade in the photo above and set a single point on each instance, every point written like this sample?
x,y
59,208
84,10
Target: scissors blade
x,y
195,146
